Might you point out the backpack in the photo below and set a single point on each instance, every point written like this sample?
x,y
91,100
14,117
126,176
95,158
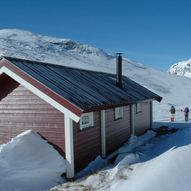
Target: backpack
x,y
172,110
186,110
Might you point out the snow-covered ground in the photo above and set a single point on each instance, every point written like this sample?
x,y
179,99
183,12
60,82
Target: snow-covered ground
x,y
29,163
158,164
164,166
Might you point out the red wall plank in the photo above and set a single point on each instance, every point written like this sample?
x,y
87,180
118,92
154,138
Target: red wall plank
x,y
21,110
87,143
117,131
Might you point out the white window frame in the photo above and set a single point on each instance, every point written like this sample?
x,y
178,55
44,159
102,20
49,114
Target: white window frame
x,y
118,113
138,108
91,120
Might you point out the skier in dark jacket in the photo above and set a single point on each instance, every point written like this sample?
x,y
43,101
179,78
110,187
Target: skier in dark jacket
x,y
172,112
186,113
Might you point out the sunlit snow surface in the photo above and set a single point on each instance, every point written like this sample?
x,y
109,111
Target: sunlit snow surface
x,y
167,166
161,164
29,163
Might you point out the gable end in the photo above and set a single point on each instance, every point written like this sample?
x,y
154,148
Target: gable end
x,y
40,90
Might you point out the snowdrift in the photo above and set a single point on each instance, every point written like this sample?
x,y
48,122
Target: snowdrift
x,y
28,162
167,166
170,171
162,164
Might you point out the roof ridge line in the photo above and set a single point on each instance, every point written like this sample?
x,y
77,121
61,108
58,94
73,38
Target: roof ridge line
x,y
58,65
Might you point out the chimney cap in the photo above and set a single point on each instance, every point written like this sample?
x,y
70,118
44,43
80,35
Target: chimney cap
x,y
118,53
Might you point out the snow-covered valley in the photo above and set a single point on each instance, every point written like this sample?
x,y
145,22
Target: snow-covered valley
x,y
157,163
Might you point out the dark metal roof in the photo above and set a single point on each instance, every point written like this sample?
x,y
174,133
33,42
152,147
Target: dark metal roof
x,y
86,89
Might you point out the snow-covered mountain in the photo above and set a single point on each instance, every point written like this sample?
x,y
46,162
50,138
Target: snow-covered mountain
x,y
27,45
182,68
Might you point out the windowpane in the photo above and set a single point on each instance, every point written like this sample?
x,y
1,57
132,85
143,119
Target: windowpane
x,y
118,112
86,120
138,107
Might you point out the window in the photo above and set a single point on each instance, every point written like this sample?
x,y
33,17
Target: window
x,y
118,113
138,107
86,120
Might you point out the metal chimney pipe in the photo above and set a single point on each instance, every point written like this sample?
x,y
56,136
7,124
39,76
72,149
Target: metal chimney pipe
x,y
119,70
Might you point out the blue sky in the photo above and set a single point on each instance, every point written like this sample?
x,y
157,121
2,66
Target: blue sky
x,y
156,33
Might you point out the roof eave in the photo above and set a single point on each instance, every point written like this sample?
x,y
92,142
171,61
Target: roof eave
x,y
110,106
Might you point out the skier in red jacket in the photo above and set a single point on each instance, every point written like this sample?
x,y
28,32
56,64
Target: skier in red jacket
x,y
172,112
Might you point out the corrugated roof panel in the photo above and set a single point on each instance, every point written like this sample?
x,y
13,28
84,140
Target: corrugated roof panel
x,y
85,88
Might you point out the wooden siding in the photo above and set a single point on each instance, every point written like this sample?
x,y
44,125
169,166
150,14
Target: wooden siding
x,y
143,119
117,131
87,143
7,85
21,110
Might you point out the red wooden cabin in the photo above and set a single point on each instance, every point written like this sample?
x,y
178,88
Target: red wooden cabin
x,y
82,113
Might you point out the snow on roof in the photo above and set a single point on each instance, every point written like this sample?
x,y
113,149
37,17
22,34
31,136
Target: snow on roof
x,y
28,162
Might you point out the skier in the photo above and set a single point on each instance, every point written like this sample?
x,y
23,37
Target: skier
x,y
172,112
186,113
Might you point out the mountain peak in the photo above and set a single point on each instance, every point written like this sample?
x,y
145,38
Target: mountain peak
x,y
182,68
28,45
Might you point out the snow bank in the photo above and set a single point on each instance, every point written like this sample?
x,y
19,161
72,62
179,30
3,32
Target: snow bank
x,y
133,143
167,165
125,157
169,171
162,164
127,148
27,162
92,167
